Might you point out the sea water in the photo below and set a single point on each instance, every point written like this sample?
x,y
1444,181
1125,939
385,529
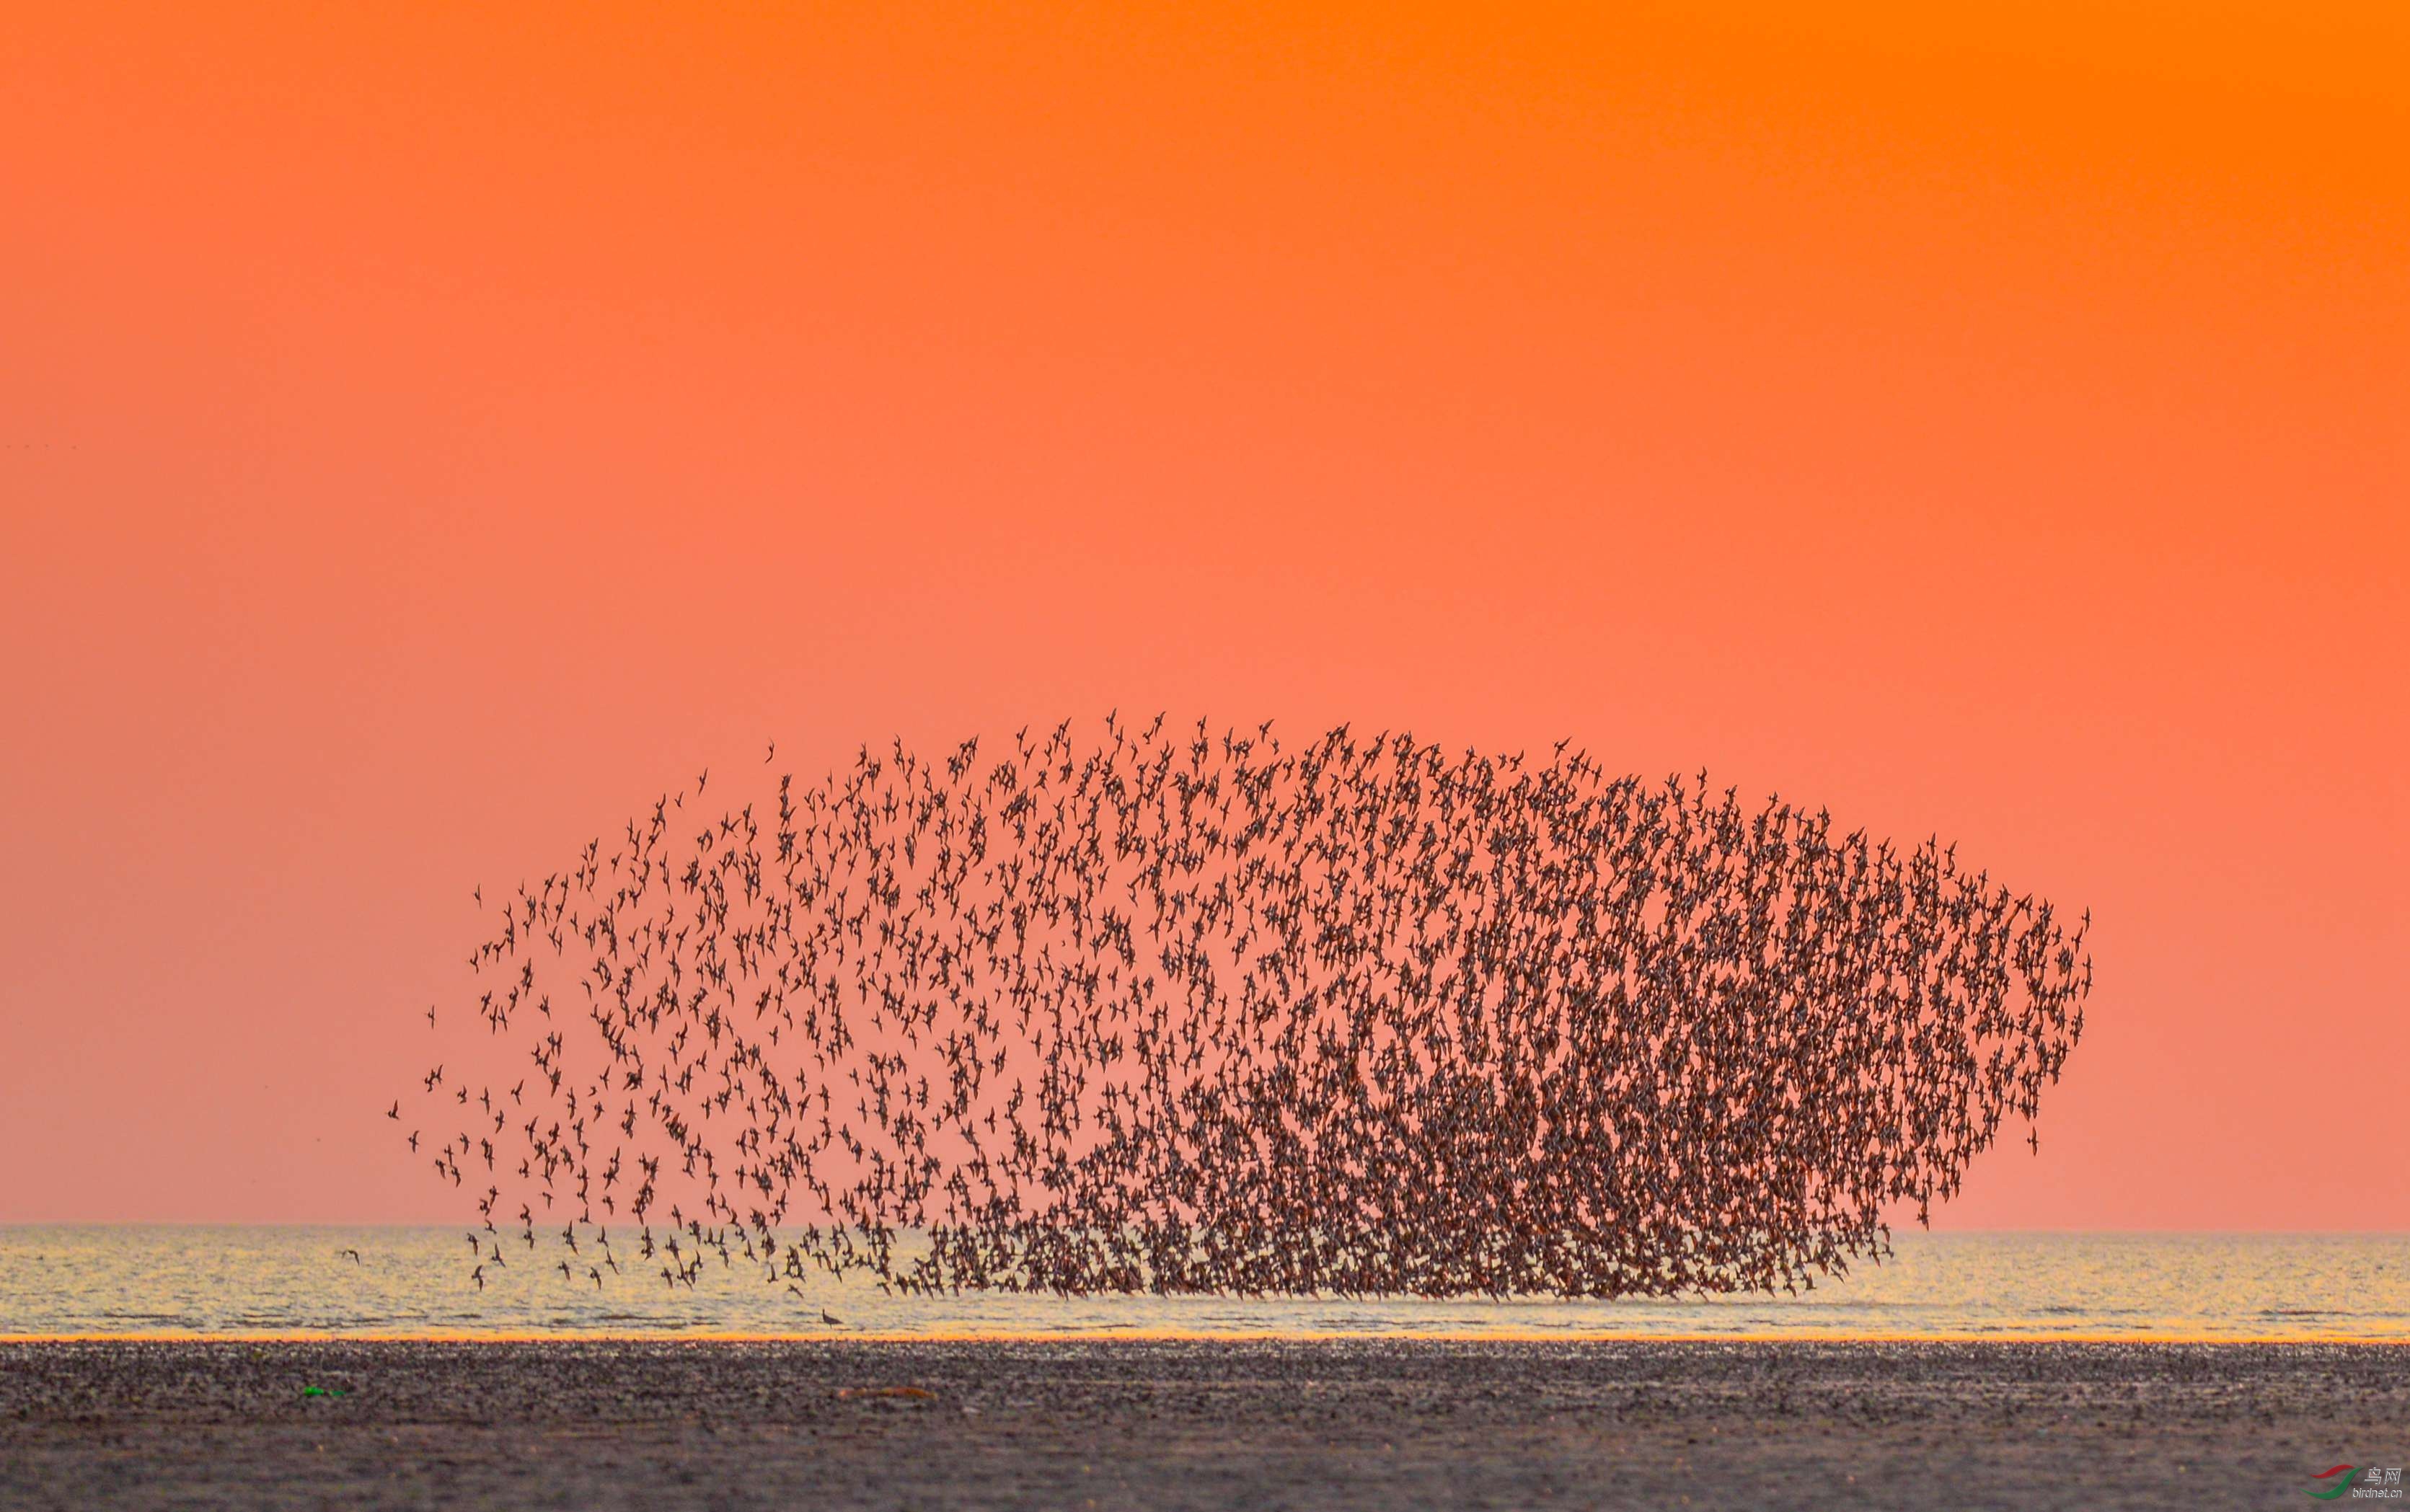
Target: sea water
x,y
289,1281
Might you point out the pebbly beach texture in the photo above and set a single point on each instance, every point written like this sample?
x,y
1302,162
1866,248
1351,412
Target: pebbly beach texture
x,y
1291,1423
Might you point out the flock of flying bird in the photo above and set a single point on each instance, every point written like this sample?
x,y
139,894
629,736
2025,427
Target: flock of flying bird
x,y
1197,1013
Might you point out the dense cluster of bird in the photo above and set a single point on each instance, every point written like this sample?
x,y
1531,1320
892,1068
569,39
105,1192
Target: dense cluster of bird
x,y
1197,1013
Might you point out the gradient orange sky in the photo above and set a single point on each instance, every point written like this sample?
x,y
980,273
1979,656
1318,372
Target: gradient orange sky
x,y
428,432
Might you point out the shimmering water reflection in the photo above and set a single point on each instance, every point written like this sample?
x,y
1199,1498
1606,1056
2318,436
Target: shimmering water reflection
x,y
267,1281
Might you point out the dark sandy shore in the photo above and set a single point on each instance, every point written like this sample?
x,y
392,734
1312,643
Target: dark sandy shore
x,y
1347,1424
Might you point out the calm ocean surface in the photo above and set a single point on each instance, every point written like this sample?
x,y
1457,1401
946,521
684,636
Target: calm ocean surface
x,y
251,1282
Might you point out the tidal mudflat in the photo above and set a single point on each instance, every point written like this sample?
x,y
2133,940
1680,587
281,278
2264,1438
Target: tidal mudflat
x,y
1289,1423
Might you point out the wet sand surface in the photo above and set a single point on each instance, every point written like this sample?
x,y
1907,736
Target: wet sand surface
x,y
1303,1424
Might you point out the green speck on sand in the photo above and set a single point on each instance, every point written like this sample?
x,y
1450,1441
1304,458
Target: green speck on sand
x,y
318,1391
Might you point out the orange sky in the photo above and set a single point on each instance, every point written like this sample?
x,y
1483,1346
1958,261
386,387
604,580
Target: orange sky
x,y
424,437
